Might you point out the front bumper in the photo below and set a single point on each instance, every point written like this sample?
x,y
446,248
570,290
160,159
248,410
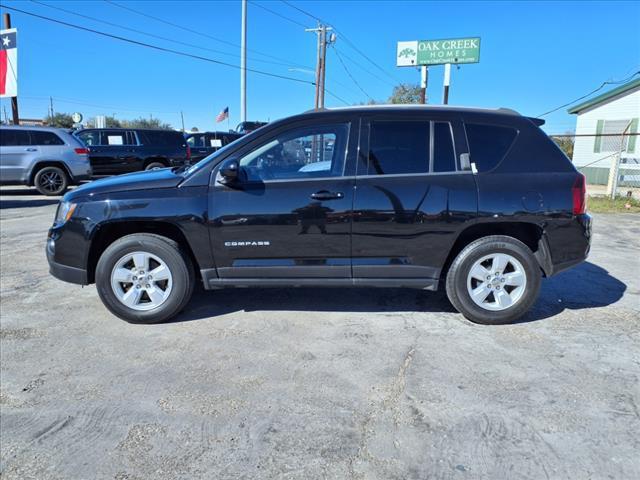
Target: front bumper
x,y
64,272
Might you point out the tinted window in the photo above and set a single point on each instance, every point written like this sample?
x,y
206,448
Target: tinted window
x,y
90,138
45,138
13,138
488,144
398,147
304,153
162,138
196,141
444,158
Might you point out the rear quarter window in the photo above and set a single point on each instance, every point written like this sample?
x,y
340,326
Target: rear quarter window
x,y
488,144
45,138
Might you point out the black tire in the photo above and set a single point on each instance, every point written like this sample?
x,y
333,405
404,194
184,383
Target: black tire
x,y
51,181
457,278
155,165
170,253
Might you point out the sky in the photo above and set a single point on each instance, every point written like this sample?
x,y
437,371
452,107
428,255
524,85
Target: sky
x,y
535,56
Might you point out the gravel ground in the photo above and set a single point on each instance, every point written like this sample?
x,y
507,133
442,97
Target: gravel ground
x,y
325,383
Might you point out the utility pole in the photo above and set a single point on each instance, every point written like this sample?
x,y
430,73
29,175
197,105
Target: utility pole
x,y
447,81
182,118
424,78
321,62
51,107
14,100
243,64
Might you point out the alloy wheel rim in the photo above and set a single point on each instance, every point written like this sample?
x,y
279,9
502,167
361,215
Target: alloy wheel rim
x,y
496,282
141,281
51,181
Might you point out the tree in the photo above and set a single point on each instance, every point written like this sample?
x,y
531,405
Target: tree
x,y
60,120
109,121
405,93
194,129
566,144
146,123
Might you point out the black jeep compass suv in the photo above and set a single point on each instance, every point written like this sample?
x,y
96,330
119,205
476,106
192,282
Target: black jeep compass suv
x,y
480,202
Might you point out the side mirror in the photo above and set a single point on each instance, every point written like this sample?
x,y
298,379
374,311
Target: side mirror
x,y
230,171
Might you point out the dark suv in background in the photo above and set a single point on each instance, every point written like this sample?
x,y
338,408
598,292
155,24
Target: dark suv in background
x,y
481,202
203,144
113,151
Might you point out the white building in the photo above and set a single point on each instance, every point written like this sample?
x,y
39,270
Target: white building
x,y
599,117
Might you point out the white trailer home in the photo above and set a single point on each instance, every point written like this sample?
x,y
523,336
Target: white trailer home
x,y
604,119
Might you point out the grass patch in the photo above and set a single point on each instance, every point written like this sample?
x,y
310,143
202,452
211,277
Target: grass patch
x,y
602,204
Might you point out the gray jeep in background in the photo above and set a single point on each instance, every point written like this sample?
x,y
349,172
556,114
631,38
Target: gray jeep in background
x,y
48,158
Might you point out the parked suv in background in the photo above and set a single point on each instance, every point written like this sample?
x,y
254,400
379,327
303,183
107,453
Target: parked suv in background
x,y
113,151
205,143
48,158
481,202
248,127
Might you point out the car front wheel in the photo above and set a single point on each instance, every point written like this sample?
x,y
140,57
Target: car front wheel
x,y
144,278
494,280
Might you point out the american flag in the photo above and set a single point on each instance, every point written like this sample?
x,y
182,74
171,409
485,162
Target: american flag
x,y
223,115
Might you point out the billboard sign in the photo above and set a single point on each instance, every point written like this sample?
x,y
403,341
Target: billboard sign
x,y
438,52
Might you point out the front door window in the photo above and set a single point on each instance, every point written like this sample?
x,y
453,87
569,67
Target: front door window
x,y
312,152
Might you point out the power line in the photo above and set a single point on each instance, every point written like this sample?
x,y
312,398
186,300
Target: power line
x,y
196,32
75,101
341,34
604,84
157,47
152,35
365,69
278,14
349,73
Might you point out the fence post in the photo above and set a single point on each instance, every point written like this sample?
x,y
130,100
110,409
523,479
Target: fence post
x,y
612,184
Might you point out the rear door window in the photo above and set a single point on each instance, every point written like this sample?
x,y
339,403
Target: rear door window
x,y
45,138
398,147
488,144
444,155
163,138
14,138
113,138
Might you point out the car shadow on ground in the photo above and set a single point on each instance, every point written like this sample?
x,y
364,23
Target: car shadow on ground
x,y
585,286
23,198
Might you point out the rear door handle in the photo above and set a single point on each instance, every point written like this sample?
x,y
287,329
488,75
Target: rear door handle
x,y
326,195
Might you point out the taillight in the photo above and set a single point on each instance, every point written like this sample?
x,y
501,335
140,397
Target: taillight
x,y
81,151
188,152
579,194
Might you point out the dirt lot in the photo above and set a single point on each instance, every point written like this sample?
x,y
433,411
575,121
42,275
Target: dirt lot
x,y
306,384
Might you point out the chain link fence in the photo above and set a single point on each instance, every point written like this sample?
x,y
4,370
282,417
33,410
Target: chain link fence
x,y
609,161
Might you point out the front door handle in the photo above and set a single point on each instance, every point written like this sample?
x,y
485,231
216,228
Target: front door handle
x,y
326,195
31,149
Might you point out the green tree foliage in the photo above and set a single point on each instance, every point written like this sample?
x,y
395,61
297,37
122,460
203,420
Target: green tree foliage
x,y
405,93
565,144
146,123
60,120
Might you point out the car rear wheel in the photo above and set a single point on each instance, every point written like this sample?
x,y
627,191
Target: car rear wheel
x,y
494,280
145,278
51,181
155,166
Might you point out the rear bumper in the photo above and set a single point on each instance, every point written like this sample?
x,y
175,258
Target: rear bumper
x,y
566,246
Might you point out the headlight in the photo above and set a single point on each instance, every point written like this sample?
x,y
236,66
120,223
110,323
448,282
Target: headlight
x,y
65,210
